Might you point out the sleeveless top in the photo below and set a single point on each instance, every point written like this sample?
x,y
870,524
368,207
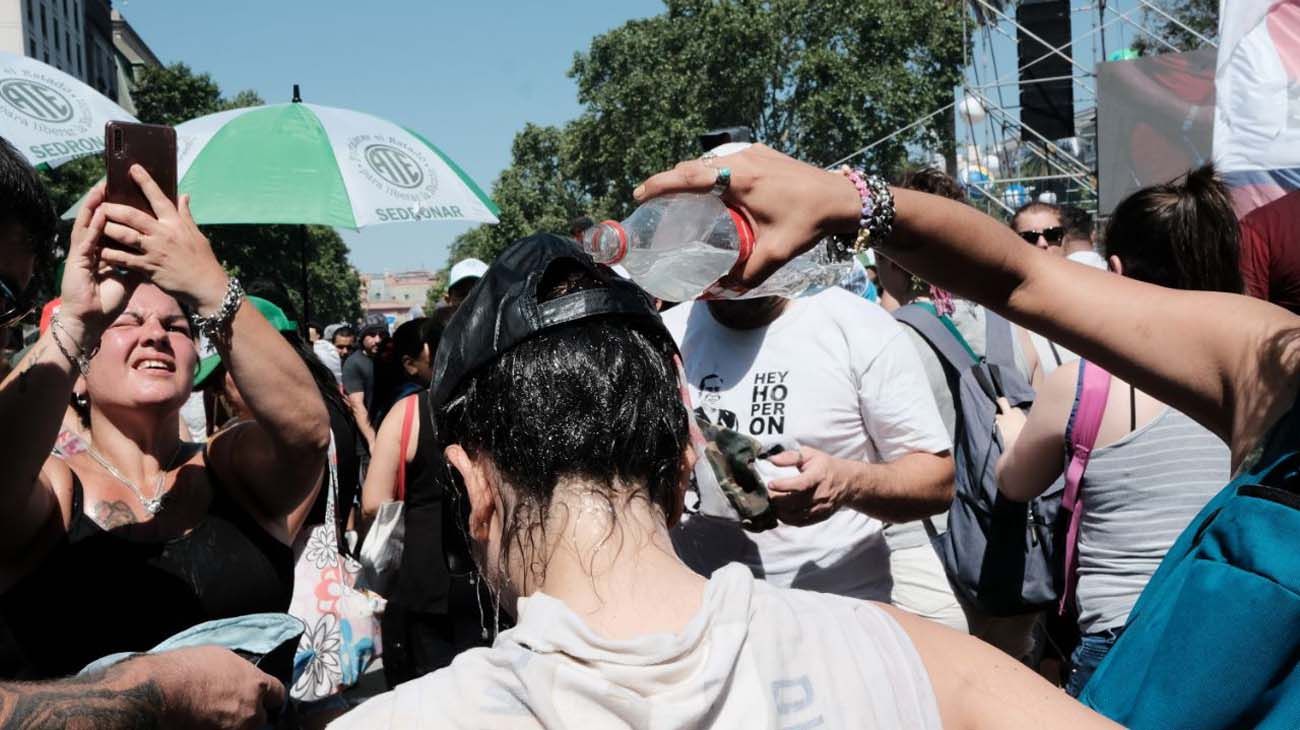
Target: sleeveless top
x,y
435,546
1139,493
97,593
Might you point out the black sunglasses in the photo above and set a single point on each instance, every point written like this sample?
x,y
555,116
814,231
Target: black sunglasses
x,y
1051,235
14,304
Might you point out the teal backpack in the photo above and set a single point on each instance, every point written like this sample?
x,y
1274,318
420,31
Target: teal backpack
x,y
1214,639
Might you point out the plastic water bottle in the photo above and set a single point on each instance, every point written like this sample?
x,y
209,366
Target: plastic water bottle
x,y
678,246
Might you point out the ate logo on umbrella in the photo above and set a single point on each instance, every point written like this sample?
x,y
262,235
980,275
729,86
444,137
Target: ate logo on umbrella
x,y
36,100
393,167
50,116
45,101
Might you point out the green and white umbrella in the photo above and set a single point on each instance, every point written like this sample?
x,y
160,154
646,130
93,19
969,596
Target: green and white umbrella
x,y
304,163
49,116
300,163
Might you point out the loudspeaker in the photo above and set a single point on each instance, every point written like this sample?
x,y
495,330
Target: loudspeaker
x,y
1047,107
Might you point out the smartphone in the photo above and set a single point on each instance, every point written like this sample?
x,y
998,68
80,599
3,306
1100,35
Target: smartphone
x,y
152,146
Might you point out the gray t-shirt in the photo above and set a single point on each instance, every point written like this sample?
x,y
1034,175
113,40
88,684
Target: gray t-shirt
x,y
359,376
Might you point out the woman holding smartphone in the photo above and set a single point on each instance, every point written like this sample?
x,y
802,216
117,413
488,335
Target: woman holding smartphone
x,y
143,534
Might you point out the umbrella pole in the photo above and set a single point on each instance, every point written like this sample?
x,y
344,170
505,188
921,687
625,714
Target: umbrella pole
x,y
306,295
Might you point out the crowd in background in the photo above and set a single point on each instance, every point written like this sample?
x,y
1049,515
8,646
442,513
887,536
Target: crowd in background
x,y
556,501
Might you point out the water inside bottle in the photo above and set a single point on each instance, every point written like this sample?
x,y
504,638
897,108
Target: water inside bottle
x,y
693,266
806,274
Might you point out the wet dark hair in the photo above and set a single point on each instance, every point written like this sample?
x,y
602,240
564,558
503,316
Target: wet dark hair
x,y
934,181
411,336
595,400
23,200
344,331
1182,234
1077,222
1037,206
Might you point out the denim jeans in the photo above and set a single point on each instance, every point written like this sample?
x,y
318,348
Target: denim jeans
x,y
1087,656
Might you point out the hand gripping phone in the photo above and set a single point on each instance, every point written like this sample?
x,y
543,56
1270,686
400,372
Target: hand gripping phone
x,y
151,146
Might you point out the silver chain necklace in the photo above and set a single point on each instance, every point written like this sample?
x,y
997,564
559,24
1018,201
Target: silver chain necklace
x,y
152,506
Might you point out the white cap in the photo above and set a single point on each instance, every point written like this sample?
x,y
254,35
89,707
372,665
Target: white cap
x,y
1089,258
618,269
467,269
729,148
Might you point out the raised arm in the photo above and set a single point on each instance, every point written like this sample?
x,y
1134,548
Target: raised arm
x,y
1227,361
34,397
276,462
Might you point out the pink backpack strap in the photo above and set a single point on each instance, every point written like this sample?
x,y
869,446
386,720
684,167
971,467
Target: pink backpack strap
x,y
1085,421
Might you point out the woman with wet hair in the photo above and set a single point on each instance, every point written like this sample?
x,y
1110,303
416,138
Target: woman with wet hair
x,y
559,411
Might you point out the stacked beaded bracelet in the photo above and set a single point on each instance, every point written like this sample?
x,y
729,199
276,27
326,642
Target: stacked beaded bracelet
x,y
877,220
215,326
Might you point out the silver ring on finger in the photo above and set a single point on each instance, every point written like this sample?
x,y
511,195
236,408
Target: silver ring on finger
x,y
721,181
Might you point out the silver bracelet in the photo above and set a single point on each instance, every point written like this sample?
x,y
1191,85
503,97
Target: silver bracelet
x,y
81,360
215,326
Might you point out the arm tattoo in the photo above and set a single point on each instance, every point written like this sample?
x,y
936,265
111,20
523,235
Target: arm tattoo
x,y
32,358
111,515
80,702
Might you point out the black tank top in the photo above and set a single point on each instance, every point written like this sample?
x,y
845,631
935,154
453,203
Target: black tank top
x,y
435,545
98,593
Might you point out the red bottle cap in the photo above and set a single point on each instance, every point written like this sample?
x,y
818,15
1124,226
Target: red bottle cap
x,y
745,236
617,228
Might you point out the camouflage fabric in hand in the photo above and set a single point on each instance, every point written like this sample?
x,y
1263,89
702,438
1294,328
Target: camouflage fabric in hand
x,y
732,457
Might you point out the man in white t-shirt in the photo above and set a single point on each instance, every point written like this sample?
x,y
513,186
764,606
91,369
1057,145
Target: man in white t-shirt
x,y
838,376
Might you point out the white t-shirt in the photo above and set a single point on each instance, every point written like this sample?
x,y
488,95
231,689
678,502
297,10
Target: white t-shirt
x,y
755,656
836,373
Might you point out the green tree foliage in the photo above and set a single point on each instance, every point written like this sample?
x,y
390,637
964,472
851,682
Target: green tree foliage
x,y
1201,16
273,254
245,98
174,94
814,78
434,297
535,194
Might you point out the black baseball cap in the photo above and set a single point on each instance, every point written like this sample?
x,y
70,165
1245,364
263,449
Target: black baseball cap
x,y
502,309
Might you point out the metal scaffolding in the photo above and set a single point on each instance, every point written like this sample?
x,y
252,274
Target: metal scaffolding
x,y
1004,162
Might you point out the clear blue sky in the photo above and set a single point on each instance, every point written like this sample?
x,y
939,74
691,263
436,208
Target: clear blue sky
x,y
468,75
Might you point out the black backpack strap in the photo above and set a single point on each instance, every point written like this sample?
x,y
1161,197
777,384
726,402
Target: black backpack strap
x,y
935,333
998,346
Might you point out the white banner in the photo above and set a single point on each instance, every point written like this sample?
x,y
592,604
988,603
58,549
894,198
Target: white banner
x,y
1257,83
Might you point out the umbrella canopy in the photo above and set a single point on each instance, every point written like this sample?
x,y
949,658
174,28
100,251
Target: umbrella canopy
x,y
303,163
49,116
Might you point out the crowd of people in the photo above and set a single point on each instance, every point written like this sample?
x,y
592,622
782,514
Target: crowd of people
x,y
621,512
